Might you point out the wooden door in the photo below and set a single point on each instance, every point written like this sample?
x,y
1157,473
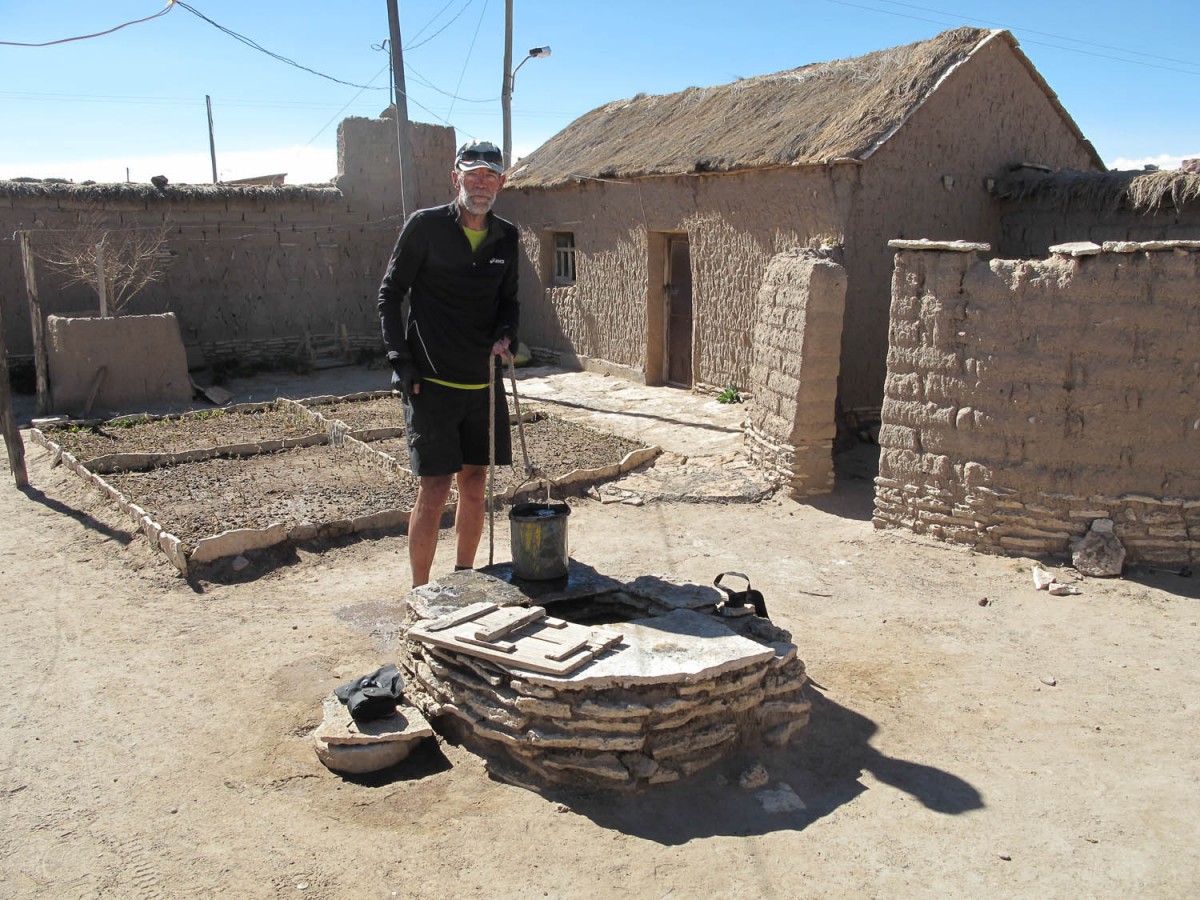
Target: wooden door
x,y
678,290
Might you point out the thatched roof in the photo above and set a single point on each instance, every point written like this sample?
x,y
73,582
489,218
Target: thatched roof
x,y
1140,191
138,192
810,115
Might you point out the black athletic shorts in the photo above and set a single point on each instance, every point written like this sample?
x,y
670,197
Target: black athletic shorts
x,y
448,427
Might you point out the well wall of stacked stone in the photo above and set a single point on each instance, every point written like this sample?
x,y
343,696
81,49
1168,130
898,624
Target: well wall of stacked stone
x,y
1027,398
617,732
794,370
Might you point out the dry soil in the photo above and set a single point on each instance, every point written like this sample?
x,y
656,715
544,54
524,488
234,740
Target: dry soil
x,y
970,736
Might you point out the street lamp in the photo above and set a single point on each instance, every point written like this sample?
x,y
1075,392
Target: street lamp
x,y
506,99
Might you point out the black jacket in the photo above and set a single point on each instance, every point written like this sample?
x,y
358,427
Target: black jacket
x,y
460,302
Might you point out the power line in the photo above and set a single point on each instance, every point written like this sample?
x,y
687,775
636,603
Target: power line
x,y
467,61
256,46
83,37
129,100
1058,37
959,17
440,30
333,118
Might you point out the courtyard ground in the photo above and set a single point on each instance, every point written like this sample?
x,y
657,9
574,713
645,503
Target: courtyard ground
x,y
969,736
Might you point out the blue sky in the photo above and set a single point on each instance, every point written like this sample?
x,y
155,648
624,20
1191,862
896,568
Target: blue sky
x,y
135,99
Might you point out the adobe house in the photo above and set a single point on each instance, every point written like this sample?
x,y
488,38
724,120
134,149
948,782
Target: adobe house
x,y
648,223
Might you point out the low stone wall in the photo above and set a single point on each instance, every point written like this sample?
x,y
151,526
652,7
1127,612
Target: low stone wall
x,y
682,690
1027,398
794,370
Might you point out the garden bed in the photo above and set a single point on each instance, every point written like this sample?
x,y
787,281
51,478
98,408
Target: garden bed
x,y
219,482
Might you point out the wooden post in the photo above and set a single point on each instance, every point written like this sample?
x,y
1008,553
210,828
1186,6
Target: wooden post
x,y
101,282
12,434
40,361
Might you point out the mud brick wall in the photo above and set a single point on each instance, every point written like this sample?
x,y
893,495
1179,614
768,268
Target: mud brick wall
x,y
1025,398
254,271
1029,229
794,370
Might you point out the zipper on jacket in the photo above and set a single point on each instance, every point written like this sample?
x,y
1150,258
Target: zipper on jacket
x,y
413,327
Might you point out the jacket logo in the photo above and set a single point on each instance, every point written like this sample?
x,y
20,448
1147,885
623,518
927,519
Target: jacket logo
x,y
496,259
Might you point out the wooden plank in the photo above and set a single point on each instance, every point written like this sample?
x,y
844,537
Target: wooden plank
x,y
502,646
518,617
569,650
38,324
97,380
466,614
556,651
8,424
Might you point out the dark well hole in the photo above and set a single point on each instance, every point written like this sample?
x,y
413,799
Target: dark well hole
x,y
607,608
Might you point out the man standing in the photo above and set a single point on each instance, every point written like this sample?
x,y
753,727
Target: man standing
x,y
457,266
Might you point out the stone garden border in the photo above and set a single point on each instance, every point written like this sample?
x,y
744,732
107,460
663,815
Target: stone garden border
x,y
333,432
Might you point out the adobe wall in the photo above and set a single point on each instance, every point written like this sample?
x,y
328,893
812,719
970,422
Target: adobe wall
x,y
735,224
1026,398
930,180
92,368
254,268
1030,228
794,373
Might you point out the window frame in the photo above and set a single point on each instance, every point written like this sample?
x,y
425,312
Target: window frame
x,y
563,258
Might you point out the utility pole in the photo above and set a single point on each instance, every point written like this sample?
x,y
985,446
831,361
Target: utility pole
x,y
507,87
212,144
408,183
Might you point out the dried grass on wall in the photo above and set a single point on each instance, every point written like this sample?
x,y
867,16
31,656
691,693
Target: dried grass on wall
x,y
139,192
1101,192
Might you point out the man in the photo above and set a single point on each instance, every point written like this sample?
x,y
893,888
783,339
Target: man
x,y
457,265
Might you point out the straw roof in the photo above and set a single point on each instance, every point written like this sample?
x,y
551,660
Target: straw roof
x,y
810,115
1140,191
141,193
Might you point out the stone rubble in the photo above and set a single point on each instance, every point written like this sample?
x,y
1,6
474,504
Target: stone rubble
x,y
1099,553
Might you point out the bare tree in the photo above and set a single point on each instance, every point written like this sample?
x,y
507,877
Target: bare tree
x,y
115,262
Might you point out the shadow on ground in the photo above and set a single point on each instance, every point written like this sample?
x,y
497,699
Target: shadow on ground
x,y
823,771
84,519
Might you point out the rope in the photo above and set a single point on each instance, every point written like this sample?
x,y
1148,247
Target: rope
x,y
491,490
529,469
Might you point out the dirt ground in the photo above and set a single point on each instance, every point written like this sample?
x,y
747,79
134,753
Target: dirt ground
x,y
970,735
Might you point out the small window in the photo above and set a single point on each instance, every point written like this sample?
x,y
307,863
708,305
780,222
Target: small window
x,y
564,258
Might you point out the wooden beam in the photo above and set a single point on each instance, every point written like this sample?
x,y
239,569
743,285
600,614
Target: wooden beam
x,y
40,359
12,434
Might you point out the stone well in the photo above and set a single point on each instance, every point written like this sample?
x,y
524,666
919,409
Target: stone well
x,y
682,689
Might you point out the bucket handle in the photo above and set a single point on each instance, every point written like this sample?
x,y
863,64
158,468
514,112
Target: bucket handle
x,y
538,478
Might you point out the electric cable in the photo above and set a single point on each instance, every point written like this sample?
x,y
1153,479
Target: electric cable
x,y
83,37
256,46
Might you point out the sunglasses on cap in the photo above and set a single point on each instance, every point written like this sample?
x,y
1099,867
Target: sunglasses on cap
x,y
487,156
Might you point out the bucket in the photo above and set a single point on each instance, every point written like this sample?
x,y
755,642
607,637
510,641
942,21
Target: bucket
x,y
539,540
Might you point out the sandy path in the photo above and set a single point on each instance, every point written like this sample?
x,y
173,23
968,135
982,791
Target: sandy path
x,y
154,741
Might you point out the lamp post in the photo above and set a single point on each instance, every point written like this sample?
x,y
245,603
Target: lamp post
x,y
506,94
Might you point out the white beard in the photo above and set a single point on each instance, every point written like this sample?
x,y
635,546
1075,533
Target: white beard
x,y
477,205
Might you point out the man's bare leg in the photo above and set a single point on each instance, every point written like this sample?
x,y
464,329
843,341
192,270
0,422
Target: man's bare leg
x,y
432,493
468,520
